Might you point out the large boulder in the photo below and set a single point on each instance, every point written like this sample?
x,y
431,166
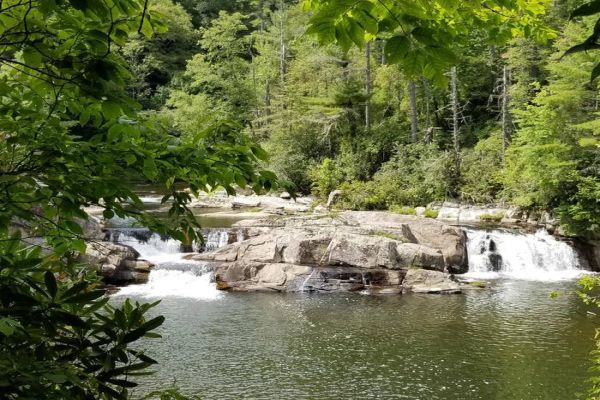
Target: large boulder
x,y
412,255
424,281
117,264
362,251
352,251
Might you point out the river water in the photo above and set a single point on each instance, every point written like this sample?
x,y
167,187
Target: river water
x,y
512,340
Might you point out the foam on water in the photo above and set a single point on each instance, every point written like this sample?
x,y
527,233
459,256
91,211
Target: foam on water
x,y
181,279
540,256
173,275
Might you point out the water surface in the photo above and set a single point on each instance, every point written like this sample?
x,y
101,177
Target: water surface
x,y
510,341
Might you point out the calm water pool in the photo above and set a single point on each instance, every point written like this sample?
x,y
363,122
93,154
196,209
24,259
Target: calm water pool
x,y
510,341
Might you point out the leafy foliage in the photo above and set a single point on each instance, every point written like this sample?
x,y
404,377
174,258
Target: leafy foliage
x,y
420,35
72,138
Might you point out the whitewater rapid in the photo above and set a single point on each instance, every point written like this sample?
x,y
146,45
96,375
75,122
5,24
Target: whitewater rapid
x,y
509,254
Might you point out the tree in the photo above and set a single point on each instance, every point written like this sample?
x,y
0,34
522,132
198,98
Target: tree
x,y
156,61
551,164
72,138
422,35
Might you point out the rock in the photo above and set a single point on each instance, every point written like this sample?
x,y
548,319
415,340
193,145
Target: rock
x,y
424,281
93,228
362,251
320,209
306,249
117,264
420,211
245,202
275,210
285,195
495,261
347,252
332,197
416,255
451,241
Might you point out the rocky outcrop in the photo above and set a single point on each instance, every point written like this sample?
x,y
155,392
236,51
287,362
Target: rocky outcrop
x,y
117,264
351,251
461,213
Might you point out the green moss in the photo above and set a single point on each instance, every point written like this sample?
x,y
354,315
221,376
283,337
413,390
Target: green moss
x,y
491,217
429,213
388,235
403,210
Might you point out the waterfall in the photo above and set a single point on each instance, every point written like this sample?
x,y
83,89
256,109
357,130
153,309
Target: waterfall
x,y
539,256
179,278
173,275
213,239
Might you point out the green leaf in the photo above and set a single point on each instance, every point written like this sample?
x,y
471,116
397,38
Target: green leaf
x,y
396,48
32,57
590,8
111,110
142,330
582,47
149,169
50,282
108,213
9,326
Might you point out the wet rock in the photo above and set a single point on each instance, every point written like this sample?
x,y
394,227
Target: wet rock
x,y
117,264
348,252
424,281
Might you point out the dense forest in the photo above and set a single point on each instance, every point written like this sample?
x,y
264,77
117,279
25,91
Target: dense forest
x,y
477,103
512,123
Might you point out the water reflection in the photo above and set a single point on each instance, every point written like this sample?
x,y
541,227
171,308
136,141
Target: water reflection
x,y
511,341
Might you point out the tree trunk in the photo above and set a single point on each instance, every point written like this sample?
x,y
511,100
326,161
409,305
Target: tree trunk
x,y
412,96
368,86
506,120
268,98
455,120
282,47
429,130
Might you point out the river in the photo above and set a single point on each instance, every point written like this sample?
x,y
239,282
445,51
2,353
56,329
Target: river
x,y
512,340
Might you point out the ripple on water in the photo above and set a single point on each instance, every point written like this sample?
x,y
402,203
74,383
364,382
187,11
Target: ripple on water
x,y
511,341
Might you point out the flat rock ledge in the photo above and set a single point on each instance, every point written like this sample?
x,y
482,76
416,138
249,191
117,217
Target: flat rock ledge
x,y
378,252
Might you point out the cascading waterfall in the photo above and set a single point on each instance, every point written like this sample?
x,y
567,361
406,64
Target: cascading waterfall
x,y
173,275
539,256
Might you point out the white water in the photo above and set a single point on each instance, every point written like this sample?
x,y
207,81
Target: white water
x,y
538,256
173,275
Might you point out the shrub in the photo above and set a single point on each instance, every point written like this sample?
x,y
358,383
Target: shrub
x,y
326,177
404,210
491,217
482,185
417,174
359,195
430,213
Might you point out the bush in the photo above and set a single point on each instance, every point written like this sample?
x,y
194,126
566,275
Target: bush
x,y
359,195
418,174
491,217
403,210
482,184
326,177
430,213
